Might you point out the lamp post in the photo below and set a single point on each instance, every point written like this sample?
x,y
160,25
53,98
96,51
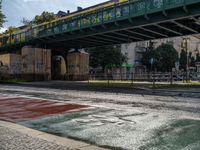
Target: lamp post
x,y
185,42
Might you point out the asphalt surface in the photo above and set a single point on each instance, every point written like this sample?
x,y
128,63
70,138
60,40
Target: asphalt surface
x,y
84,86
119,120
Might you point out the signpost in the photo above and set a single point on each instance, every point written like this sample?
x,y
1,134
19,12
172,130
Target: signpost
x,y
152,62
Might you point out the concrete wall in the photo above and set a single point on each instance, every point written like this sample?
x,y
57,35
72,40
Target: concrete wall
x,y
10,65
15,64
36,63
78,65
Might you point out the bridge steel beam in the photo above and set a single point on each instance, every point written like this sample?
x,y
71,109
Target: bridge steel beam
x,y
168,29
92,41
114,37
184,26
154,32
102,39
128,36
141,34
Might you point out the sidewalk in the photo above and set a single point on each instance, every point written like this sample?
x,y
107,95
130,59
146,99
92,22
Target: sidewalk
x,y
17,137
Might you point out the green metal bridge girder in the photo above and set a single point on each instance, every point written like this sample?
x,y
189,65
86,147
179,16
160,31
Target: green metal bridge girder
x,y
130,22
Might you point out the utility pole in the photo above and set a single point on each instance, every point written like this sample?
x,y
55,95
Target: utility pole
x,y
186,40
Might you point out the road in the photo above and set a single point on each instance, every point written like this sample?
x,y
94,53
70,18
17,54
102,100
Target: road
x,y
118,120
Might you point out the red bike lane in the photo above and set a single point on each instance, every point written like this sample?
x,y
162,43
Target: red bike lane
x,y
16,109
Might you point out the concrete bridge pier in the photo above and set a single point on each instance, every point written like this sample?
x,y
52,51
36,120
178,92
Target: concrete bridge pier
x,y
40,64
10,66
36,64
30,64
70,65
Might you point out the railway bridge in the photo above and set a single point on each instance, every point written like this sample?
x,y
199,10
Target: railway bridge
x,y
120,23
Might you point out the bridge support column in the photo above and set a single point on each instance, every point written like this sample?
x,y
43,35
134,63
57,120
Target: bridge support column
x,y
10,66
36,64
77,65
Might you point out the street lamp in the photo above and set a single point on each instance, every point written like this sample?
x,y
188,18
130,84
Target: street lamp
x,y
185,44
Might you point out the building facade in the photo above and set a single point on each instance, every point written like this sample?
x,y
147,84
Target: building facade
x,y
134,51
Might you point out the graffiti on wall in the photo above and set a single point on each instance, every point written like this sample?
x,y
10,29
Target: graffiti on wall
x,y
4,69
15,67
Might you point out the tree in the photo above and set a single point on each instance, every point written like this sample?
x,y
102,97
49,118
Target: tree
x,y
148,55
198,57
2,16
106,57
39,19
168,57
183,60
191,60
11,30
164,57
44,17
26,22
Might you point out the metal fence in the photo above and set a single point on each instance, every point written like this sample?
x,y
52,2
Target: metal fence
x,y
162,78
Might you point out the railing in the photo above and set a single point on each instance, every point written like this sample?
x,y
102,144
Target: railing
x,y
147,78
113,14
99,17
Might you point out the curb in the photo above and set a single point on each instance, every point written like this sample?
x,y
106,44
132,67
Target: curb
x,y
72,144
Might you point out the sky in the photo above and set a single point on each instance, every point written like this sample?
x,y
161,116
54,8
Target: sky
x,y
15,10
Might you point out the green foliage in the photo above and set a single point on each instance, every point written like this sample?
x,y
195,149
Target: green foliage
x,y
26,22
2,16
197,57
165,57
44,17
149,54
183,60
11,30
106,57
191,60
39,19
168,57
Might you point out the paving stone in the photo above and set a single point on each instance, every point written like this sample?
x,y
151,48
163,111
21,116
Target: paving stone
x,y
13,140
